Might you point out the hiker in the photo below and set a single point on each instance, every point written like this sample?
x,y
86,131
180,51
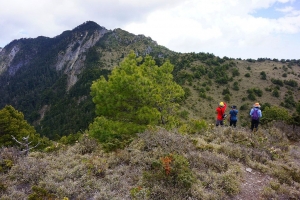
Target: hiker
x,y
220,111
255,114
233,116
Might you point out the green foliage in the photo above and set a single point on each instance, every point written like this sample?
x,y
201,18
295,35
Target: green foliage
x,y
284,75
251,96
184,114
38,83
138,91
275,93
139,193
275,113
263,75
70,139
40,193
227,97
3,187
268,89
220,74
210,75
173,170
202,95
200,70
193,126
180,170
113,134
235,86
289,101
87,144
184,76
208,165
12,123
77,174
201,90
277,82
263,106
226,91
257,91
77,106
25,87
247,75
291,83
298,108
8,159
222,80
235,72
244,107
253,92
187,92
230,184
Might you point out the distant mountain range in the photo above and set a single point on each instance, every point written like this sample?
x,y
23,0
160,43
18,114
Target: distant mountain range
x,y
49,79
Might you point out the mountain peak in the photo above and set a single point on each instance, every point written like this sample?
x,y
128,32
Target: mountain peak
x,y
88,25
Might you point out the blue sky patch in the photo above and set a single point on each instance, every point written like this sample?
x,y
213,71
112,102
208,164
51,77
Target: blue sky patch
x,y
273,11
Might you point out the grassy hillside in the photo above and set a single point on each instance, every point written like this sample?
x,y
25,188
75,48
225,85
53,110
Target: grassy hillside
x,y
195,160
243,85
44,95
78,108
211,163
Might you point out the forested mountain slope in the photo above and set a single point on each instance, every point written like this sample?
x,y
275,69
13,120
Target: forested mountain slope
x,y
49,79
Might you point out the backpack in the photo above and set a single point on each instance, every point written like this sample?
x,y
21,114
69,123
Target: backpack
x,y
233,114
255,114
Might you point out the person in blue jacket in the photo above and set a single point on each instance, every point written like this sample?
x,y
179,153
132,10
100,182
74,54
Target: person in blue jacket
x,y
255,114
233,116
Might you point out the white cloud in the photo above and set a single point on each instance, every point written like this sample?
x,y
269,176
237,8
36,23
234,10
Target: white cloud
x,y
286,9
221,27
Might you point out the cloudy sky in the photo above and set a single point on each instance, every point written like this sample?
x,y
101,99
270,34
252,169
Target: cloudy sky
x,y
233,28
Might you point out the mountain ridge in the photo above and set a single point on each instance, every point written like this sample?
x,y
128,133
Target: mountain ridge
x,y
36,73
49,79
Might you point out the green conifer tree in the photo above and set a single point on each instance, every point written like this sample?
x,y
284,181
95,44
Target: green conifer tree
x,y
137,93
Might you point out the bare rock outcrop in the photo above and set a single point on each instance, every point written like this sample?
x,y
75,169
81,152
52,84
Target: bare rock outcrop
x,y
71,61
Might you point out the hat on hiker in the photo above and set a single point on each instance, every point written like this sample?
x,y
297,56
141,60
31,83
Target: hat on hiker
x,y
221,104
233,107
256,105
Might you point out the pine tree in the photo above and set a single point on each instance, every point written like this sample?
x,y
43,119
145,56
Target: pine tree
x,y
137,93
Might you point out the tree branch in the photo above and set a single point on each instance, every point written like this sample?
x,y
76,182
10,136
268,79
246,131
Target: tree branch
x,y
16,140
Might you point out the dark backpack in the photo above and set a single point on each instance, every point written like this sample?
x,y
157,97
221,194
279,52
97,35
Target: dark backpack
x,y
255,114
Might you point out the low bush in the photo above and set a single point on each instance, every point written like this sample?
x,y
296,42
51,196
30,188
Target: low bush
x,y
113,134
275,113
159,164
169,171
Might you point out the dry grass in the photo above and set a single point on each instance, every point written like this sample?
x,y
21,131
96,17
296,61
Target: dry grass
x,y
205,108
158,164
121,42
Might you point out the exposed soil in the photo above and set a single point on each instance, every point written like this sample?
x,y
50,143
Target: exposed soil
x,y
252,185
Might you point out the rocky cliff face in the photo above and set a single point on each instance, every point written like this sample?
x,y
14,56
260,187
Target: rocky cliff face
x,y
49,79
6,57
71,60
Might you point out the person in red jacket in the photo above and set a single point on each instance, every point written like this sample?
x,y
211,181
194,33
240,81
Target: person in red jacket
x,y
220,111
